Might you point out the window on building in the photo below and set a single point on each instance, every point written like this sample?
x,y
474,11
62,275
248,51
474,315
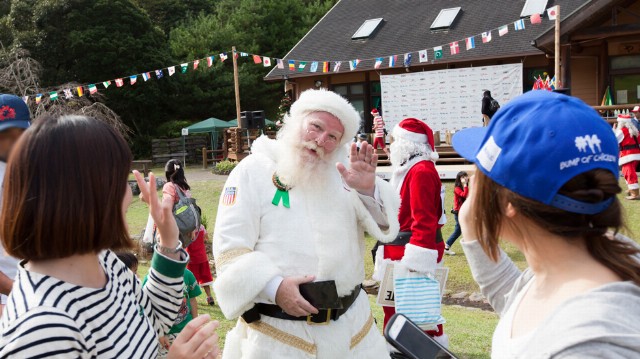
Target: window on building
x,y
533,7
354,93
625,79
445,18
367,29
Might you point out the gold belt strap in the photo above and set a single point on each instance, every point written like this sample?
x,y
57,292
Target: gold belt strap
x,y
284,337
228,256
356,339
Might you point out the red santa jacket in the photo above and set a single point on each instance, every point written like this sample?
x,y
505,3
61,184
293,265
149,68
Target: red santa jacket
x,y
420,210
629,150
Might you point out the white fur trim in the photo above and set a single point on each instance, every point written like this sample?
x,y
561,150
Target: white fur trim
x,y
633,186
629,158
391,202
239,283
442,340
399,132
327,101
419,259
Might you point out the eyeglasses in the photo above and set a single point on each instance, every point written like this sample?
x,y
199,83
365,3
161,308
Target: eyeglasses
x,y
315,131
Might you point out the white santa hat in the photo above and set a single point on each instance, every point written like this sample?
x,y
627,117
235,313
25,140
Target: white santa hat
x,y
327,101
414,130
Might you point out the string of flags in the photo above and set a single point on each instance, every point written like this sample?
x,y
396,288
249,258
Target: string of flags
x,y
301,65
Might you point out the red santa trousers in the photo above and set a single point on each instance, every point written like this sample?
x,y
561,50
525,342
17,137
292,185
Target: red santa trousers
x,y
378,141
396,253
629,173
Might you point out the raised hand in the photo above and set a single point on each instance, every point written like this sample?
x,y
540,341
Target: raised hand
x,y
361,174
161,212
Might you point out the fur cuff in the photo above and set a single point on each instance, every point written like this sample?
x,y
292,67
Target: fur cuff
x,y
238,285
391,205
419,259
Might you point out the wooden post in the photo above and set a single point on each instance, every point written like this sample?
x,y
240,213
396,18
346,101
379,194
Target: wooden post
x,y
236,86
557,50
204,158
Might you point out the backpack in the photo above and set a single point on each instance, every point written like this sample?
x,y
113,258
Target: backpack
x,y
494,106
187,215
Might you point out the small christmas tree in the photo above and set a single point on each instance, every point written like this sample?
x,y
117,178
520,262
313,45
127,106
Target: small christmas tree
x,y
283,109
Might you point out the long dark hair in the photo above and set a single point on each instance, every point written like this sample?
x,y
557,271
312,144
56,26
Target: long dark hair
x,y
592,187
174,171
459,176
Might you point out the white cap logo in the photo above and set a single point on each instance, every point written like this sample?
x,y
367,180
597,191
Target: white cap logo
x,y
592,141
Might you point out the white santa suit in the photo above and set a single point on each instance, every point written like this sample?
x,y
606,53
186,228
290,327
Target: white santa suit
x,y
321,234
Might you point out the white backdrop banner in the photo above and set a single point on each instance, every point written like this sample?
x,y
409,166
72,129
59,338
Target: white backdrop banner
x,y
447,99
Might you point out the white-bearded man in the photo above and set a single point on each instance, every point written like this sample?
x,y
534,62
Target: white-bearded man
x,y
293,214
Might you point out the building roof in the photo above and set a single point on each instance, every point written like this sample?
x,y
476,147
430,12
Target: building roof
x,y
406,29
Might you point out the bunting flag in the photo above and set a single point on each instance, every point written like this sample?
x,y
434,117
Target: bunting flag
x,y
195,64
67,93
470,42
503,30
313,67
106,84
145,76
519,25
257,59
223,56
325,66
536,19
159,74
266,61
486,37
407,59
606,100
437,52
423,56
133,79
235,55
454,48
244,54
53,95
552,83
119,82
92,89
353,64
302,65
80,91
292,65
183,67
172,70
378,63
279,64
210,60
336,66
392,60
552,12
38,98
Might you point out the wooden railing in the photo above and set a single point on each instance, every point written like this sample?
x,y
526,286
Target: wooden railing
x,y
607,112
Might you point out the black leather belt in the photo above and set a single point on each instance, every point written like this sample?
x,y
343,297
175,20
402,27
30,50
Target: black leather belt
x,y
628,147
402,239
324,316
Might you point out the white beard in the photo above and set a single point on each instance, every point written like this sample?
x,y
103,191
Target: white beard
x,y
402,150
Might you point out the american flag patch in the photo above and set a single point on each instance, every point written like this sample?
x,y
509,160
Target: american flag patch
x,y
229,196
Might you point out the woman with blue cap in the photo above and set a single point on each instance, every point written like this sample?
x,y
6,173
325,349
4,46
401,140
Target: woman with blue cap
x,y
547,182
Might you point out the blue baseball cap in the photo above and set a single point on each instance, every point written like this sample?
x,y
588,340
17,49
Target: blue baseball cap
x,y
538,142
14,113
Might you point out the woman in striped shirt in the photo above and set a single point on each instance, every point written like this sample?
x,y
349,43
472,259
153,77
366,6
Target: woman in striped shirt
x,y
64,207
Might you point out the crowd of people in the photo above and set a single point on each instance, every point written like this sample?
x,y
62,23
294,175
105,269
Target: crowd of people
x,y
289,237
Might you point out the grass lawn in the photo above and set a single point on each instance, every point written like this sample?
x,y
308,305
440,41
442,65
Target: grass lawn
x,y
470,331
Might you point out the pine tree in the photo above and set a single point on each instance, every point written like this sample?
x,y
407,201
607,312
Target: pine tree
x,y
285,105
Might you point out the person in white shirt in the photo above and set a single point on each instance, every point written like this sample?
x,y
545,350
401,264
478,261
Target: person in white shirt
x,y
14,119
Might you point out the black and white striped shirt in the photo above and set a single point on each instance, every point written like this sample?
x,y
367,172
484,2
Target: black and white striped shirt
x,y
46,317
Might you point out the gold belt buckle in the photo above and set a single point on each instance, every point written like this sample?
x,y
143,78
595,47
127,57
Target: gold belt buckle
x,y
326,322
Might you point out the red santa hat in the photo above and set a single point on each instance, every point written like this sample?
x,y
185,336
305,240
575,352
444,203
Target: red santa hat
x,y
636,109
624,118
414,130
375,112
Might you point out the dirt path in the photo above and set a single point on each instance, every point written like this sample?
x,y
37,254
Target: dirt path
x,y
198,174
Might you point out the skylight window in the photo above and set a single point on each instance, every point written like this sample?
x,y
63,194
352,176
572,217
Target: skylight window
x,y
367,28
445,18
533,7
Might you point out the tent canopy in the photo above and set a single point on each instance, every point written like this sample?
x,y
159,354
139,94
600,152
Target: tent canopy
x,y
210,125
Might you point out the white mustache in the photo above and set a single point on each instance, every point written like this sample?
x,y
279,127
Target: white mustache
x,y
313,146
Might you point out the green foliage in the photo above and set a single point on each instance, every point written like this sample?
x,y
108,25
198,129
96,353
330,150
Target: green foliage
x,y
204,221
224,167
172,129
166,14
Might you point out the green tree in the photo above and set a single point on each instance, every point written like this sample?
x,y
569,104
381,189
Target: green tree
x,y
167,14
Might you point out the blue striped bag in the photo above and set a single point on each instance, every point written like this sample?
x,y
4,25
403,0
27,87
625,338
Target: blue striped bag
x,y
417,296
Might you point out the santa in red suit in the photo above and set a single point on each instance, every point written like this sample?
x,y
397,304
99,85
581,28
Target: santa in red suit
x,y
419,245
627,135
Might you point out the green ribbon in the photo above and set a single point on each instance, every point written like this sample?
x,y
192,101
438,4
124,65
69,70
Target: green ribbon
x,y
280,194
